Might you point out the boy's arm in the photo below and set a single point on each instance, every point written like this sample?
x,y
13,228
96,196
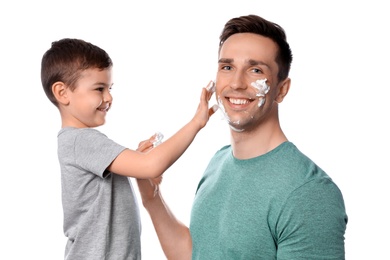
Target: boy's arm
x,y
154,163
174,236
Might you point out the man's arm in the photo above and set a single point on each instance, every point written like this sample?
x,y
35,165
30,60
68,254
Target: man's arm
x,y
313,222
174,236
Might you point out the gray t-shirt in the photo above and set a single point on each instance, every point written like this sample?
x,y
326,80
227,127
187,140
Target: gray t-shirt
x,y
101,214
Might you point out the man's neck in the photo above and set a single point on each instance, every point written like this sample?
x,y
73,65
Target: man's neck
x,y
250,144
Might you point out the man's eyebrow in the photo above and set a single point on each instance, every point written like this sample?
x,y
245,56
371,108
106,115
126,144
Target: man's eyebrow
x,y
225,60
251,62
257,62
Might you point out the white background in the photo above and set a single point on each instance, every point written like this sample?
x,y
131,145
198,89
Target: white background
x,y
336,112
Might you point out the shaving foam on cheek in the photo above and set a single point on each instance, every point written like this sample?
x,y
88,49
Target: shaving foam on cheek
x,y
262,89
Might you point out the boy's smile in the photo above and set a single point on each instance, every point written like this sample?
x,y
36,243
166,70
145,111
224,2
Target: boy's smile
x,y
89,102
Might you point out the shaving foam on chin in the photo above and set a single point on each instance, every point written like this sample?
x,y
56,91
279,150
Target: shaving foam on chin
x,y
226,117
262,89
158,139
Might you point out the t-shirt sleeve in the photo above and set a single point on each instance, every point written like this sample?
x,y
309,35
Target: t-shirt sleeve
x,y
95,152
312,223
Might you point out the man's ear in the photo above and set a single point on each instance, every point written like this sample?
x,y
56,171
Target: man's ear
x,y
283,90
60,92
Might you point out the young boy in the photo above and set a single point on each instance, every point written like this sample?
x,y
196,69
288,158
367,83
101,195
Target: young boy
x,y
101,218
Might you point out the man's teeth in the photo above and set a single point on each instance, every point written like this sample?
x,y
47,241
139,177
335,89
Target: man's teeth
x,y
238,101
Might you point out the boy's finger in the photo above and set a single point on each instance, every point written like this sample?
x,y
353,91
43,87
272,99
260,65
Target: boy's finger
x,y
213,109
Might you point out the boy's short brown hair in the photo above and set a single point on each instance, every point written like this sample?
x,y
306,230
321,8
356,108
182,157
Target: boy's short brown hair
x,y
65,61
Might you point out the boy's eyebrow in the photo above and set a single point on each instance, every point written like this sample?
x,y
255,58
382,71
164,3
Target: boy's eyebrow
x,y
102,83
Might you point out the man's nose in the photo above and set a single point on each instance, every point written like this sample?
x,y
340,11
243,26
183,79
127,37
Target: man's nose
x,y
238,81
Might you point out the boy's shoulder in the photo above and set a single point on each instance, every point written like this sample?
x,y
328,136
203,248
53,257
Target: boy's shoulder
x,y
78,131
72,135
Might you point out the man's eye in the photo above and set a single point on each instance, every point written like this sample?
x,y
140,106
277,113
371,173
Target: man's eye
x,y
226,67
255,70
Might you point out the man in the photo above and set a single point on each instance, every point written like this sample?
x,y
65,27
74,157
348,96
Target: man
x,y
260,197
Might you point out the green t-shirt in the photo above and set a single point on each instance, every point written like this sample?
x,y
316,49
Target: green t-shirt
x,y
280,205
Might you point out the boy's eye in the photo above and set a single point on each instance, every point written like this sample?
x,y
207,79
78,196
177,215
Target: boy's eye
x,y
100,89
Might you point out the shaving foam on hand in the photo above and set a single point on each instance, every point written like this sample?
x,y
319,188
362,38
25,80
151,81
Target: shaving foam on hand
x,y
158,139
211,87
215,107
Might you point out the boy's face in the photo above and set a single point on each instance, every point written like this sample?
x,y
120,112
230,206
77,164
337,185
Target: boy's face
x,y
90,100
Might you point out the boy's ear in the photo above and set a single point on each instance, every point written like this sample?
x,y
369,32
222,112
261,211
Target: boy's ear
x,y
283,90
60,92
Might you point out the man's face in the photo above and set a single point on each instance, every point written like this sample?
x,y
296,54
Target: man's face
x,y
246,79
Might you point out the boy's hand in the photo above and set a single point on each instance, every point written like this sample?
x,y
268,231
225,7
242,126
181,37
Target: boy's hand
x,y
203,112
149,188
148,144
